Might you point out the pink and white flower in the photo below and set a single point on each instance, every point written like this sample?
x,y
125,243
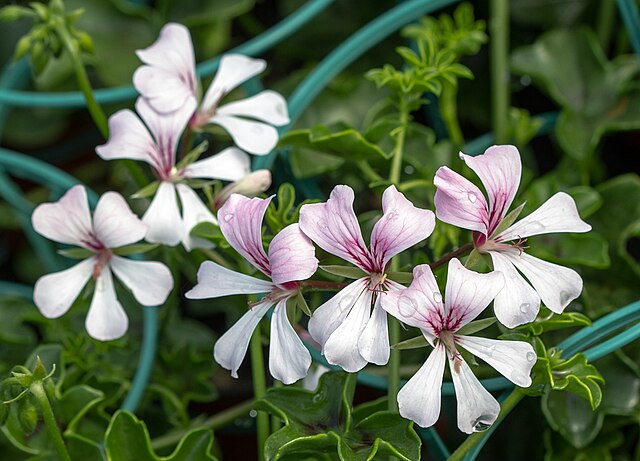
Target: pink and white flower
x,y
156,144
290,259
113,225
168,81
459,202
352,327
467,294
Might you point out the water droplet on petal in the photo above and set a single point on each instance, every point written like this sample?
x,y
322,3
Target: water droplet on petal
x,y
479,425
322,225
407,306
565,298
437,297
345,303
472,197
531,356
524,307
228,217
518,378
535,227
257,129
490,350
391,215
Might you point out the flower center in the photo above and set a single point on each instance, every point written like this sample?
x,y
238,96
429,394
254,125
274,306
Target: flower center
x,y
103,256
376,282
485,245
447,338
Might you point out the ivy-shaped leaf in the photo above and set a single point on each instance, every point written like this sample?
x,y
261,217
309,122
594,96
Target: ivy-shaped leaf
x,y
548,321
324,422
127,439
577,376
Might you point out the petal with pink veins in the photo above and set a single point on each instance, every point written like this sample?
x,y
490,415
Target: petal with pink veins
x,y
419,400
234,69
231,164
402,225
334,227
556,285
163,216
477,408
291,256
149,281
54,294
289,359
106,319
373,343
257,138
558,214
194,212
517,303
459,202
240,220
412,306
266,106
169,78
66,221
215,281
230,349
115,224
512,359
467,294
330,315
499,169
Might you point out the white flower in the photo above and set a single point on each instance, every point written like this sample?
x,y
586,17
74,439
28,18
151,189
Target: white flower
x,y
114,225
168,82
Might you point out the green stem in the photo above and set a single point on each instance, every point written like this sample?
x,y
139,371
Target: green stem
x,y
604,23
408,185
500,95
396,161
476,437
276,422
369,172
83,80
449,112
259,389
37,389
217,421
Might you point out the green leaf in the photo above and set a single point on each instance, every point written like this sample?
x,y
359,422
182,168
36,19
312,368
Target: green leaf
x,y
572,417
577,376
548,321
509,219
193,155
302,304
349,272
476,325
147,191
400,277
127,439
307,163
590,249
76,253
135,249
413,343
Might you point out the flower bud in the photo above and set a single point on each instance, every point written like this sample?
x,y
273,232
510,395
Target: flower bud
x,y
27,414
14,13
251,185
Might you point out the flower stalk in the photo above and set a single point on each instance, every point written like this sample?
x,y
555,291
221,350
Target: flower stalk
x,y
37,389
259,389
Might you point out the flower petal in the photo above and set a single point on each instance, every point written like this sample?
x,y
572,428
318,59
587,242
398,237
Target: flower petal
x,y
289,359
231,164
54,294
330,315
342,346
149,281
477,408
114,223
291,256
402,225
517,303
467,294
558,214
230,349
334,227
512,359
266,106
129,138
163,216
459,202
234,69
106,319
215,281
169,79
240,220
66,221
373,343
499,169
193,213
419,400
257,138
556,285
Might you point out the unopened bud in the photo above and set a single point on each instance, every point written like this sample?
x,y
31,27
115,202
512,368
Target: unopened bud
x,y
22,48
14,13
251,185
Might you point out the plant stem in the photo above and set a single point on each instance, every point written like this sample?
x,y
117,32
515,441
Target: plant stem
x,y
605,22
471,441
396,161
83,80
220,419
276,422
369,172
259,389
321,285
37,389
449,256
499,27
449,113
